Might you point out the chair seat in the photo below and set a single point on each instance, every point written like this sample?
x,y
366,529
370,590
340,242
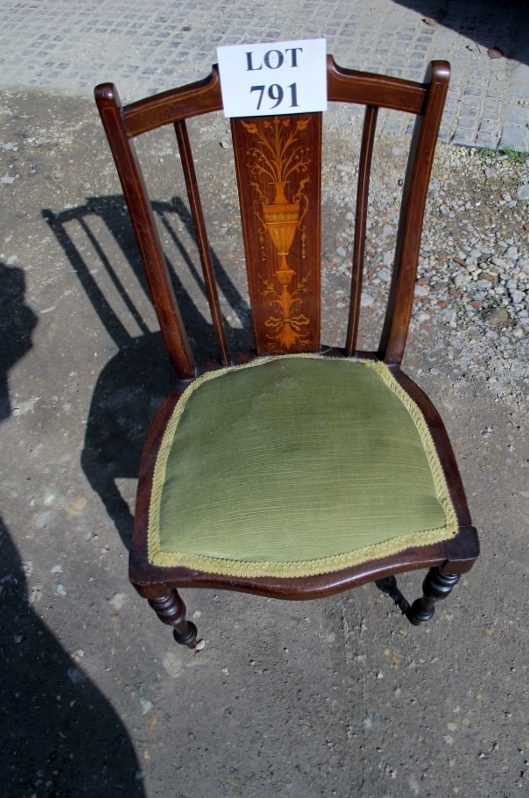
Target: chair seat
x,y
295,466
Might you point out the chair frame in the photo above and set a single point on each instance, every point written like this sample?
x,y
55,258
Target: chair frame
x,y
446,560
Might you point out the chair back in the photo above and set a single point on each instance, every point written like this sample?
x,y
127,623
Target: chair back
x,y
278,171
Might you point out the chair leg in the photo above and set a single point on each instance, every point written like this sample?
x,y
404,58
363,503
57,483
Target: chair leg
x,y
171,610
436,586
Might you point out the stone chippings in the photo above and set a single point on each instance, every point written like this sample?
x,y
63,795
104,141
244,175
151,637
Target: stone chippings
x,y
473,279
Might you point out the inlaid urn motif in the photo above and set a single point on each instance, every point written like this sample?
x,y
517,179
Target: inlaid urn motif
x,y
276,157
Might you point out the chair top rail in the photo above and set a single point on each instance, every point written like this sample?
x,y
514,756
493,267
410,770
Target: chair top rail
x,y
204,96
381,91
195,99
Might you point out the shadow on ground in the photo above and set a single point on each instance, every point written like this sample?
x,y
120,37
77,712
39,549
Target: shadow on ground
x,y
135,381
503,26
48,706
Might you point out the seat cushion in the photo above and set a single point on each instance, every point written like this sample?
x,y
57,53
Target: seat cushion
x,y
295,466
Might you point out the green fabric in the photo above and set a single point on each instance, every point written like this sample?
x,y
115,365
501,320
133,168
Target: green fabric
x,y
296,459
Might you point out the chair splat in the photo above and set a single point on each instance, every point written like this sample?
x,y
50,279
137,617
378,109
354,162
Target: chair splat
x,y
278,164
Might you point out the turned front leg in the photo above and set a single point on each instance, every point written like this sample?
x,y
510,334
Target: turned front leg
x,y
436,586
171,610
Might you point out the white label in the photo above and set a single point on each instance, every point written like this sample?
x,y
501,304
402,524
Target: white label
x,y
277,78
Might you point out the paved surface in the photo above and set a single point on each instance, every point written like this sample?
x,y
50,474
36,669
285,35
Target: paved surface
x,y
146,48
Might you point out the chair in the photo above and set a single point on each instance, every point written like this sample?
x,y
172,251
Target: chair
x,y
295,470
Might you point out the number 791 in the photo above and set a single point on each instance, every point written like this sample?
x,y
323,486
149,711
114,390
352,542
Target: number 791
x,y
276,93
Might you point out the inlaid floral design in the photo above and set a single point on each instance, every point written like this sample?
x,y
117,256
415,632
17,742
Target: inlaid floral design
x,y
283,162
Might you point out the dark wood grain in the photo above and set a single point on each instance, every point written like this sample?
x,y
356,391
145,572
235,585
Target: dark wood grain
x,y
381,91
398,314
135,192
202,97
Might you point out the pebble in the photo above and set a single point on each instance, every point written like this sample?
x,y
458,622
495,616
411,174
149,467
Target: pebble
x,y
497,317
78,505
118,600
44,519
76,676
146,705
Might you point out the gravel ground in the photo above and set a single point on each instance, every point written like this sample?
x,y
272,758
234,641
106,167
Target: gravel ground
x,y
473,280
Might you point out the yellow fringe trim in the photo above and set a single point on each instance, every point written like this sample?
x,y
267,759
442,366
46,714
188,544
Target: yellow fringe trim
x,y
273,568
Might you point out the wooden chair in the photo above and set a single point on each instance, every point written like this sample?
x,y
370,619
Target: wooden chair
x,y
295,470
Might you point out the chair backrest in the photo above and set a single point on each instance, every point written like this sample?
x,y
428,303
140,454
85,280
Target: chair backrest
x,y
278,166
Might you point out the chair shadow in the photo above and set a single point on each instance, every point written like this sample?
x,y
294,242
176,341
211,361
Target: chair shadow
x,y
389,586
58,734
135,381
503,26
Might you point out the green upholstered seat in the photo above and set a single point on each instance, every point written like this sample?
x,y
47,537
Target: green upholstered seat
x,y
294,466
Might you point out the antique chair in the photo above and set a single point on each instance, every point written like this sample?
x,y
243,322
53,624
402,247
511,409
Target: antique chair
x,y
294,470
